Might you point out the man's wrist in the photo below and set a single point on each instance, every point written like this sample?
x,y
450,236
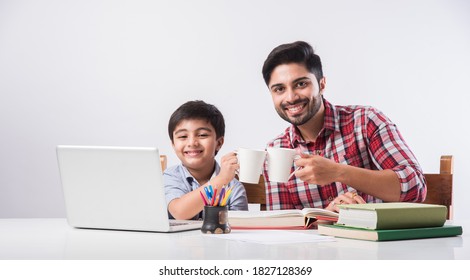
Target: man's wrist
x,y
342,173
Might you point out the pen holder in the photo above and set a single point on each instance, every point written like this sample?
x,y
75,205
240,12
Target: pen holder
x,y
215,220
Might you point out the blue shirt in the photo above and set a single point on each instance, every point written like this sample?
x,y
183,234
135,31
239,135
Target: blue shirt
x,y
178,182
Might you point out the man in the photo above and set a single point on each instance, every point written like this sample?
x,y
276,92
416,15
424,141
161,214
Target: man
x,y
349,154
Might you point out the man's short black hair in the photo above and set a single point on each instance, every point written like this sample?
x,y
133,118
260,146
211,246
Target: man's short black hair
x,y
297,52
197,110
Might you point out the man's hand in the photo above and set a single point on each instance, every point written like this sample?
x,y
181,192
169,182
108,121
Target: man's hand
x,y
345,198
317,170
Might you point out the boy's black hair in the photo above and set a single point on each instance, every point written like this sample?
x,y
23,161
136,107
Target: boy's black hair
x,y
197,110
297,52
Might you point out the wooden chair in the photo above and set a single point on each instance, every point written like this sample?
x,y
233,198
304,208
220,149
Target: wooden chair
x,y
439,187
256,193
163,162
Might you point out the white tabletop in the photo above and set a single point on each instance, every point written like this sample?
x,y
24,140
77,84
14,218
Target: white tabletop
x,y
54,239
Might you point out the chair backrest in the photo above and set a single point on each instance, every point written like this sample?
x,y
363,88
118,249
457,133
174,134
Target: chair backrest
x,y
256,193
439,187
163,162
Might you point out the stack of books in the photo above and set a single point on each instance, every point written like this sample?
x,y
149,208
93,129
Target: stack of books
x,y
391,221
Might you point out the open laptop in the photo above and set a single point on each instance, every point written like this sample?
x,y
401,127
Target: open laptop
x,y
116,188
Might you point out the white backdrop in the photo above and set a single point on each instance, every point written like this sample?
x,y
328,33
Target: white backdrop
x,y
112,72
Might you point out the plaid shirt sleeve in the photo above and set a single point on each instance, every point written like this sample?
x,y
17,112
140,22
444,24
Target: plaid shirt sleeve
x,y
389,151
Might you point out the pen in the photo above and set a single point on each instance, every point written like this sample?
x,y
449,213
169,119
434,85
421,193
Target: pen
x,y
208,193
211,190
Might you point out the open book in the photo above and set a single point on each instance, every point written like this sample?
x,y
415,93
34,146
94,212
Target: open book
x,y
279,219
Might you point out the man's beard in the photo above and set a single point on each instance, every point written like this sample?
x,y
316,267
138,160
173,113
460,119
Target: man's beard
x,y
312,107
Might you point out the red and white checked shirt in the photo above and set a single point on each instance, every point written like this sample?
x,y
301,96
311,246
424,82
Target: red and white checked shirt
x,y
359,136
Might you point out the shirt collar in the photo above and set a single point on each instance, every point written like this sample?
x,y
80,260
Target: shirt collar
x,y
329,124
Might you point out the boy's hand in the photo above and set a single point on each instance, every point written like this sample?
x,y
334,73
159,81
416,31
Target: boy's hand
x,y
228,168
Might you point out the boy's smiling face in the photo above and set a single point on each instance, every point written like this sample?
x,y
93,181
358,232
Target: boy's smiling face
x,y
195,143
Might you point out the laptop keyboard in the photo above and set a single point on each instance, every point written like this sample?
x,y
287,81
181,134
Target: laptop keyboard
x,y
172,223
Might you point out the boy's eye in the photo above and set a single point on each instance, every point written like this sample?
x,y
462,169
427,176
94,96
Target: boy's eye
x,y
203,135
182,137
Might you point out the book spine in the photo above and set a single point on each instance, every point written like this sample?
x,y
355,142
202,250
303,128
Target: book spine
x,y
418,233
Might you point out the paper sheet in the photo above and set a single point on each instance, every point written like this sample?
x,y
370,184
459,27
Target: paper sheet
x,y
272,237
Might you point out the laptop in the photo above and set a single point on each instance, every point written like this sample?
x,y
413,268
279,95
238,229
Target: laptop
x,y
119,188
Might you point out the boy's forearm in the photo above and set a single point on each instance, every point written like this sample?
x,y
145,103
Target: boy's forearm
x,y
187,206
190,204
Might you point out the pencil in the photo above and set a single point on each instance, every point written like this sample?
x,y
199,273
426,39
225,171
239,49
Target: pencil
x,y
227,194
214,197
221,196
203,198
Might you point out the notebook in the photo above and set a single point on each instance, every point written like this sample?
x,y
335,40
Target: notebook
x,y
118,188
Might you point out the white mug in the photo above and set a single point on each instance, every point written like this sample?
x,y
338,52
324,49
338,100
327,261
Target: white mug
x,y
251,165
280,163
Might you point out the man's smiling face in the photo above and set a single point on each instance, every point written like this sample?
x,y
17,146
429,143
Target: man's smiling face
x,y
296,93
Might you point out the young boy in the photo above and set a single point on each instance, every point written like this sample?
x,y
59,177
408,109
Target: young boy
x,y
196,130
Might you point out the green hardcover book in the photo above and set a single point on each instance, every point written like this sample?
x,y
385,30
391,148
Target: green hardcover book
x,y
389,234
393,215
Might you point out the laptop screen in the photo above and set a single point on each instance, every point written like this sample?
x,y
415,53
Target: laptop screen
x,y
113,187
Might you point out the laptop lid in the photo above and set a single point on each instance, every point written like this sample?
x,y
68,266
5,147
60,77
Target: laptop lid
x,y
115,188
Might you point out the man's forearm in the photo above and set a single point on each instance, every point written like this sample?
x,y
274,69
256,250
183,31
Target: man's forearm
x,y
383,184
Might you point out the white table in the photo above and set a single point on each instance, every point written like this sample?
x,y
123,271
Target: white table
x,y
54,239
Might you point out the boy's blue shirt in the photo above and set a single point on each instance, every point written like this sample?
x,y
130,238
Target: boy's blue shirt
x,y
178,181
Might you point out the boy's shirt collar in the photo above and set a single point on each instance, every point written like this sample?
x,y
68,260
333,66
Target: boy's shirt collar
x,y
190,178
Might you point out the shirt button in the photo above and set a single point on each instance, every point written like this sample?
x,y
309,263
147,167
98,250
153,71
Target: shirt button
x,y
330,198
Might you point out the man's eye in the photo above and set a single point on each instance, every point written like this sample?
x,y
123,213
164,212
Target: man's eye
x,y
279,89
301,84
